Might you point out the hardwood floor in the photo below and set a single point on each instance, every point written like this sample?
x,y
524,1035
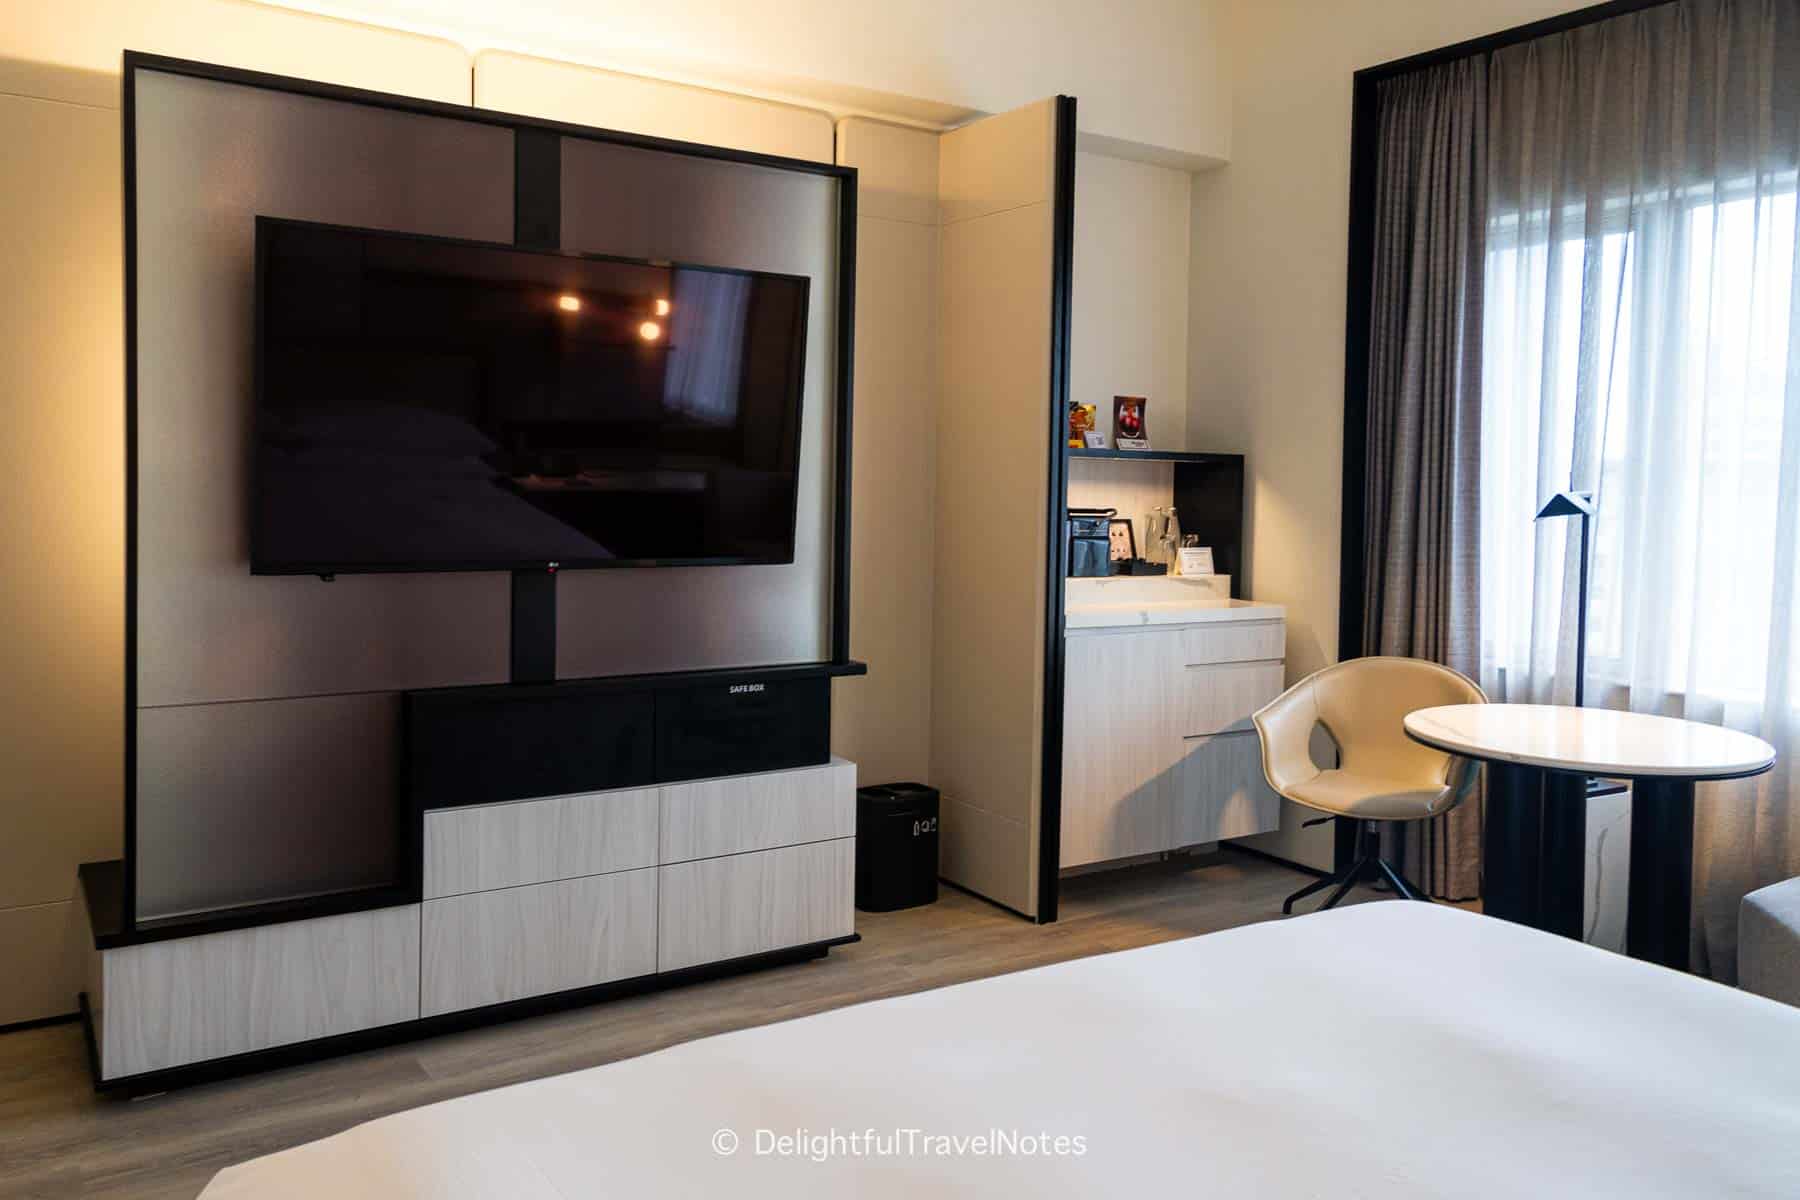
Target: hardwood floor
x,y
58,1139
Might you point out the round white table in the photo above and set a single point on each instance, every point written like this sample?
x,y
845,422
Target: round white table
x,y
1539,758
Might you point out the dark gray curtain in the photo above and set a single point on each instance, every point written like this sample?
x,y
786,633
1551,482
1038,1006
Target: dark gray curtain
x,y
1422,514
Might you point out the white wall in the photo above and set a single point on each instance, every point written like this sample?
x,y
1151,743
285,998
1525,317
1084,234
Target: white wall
x,y
1129,309
1146,71
1269,251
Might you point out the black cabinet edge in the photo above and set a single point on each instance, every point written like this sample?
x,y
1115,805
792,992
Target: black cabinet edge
x,y
631,683
109,932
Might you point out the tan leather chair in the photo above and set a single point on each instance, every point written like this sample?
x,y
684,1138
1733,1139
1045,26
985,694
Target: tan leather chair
x,y
1382,775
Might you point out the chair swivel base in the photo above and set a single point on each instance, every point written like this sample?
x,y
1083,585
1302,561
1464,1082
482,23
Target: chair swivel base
x,y
1368,865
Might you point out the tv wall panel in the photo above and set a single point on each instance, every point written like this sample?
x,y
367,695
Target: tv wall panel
x,y
212,156
271,800
649,204
267,740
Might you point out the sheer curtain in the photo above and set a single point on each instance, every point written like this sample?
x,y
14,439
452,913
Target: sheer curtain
x,y
1641,339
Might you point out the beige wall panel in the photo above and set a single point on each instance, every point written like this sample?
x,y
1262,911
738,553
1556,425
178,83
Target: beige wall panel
x,y
897,170
91,35
993,449
62,527
42,947
243,803
882,721
998,163
724,214
987,853
210,157
561,91
1129,307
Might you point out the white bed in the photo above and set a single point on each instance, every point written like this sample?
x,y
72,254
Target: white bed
x,y
1388,1050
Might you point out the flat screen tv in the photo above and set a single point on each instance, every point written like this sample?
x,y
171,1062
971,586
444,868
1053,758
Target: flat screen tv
x,y
425,404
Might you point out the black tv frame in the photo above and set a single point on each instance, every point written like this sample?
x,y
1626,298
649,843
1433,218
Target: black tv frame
x,y
536,224
266,225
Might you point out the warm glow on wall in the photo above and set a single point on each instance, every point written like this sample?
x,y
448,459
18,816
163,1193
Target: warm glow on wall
x,y
662,308
568,303
649,331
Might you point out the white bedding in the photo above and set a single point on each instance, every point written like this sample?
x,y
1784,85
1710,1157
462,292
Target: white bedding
x,y
1387,1050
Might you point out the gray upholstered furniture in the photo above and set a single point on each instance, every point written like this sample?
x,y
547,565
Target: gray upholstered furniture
x,y
1769,942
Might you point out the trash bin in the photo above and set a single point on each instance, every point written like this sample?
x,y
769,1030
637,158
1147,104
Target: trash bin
x,y
896,846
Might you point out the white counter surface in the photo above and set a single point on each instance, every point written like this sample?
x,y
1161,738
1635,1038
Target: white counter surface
x,y
1127,601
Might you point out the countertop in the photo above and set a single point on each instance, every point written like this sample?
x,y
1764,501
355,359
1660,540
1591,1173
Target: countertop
x,y
1135,601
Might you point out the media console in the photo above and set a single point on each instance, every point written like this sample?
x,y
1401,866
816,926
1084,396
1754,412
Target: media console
x,y
572,841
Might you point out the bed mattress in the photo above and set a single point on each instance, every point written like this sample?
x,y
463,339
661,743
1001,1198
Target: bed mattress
x,y
1387,1050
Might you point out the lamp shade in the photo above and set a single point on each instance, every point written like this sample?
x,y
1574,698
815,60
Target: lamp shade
x,y
1567,504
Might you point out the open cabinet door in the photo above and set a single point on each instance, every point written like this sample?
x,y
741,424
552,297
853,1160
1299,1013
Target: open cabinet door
x,y
1006,196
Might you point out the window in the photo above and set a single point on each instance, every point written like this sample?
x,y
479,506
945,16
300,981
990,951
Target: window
x,y
1651,360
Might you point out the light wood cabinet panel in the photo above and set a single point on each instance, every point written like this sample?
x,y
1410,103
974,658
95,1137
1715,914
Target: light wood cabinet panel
x,y
1158,751
536,841
189,999
715,909
492,947
1220,790
758,812
1121,738
1220,697
1234,641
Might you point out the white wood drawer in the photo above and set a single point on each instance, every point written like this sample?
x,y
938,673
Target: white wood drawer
x,y
536,841
711,817
1220,791
1221,697
721,908
190,999
1235,641
491,947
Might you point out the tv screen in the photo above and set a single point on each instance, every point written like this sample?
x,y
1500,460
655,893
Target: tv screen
x,y
428,404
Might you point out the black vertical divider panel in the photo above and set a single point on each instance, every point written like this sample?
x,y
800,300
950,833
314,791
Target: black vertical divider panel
x,y
537,223
1062,273
128,142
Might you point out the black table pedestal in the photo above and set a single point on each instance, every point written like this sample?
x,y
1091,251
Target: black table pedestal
x,y
1511,838
1535,841
1662,871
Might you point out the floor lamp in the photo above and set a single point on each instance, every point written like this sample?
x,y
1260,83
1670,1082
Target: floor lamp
x,y
1576,504
1580,504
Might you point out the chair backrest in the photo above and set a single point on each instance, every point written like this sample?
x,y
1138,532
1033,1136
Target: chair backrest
x,y
1362,703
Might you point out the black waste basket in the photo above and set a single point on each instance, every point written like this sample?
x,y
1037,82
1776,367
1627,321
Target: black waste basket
x,y
896,846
